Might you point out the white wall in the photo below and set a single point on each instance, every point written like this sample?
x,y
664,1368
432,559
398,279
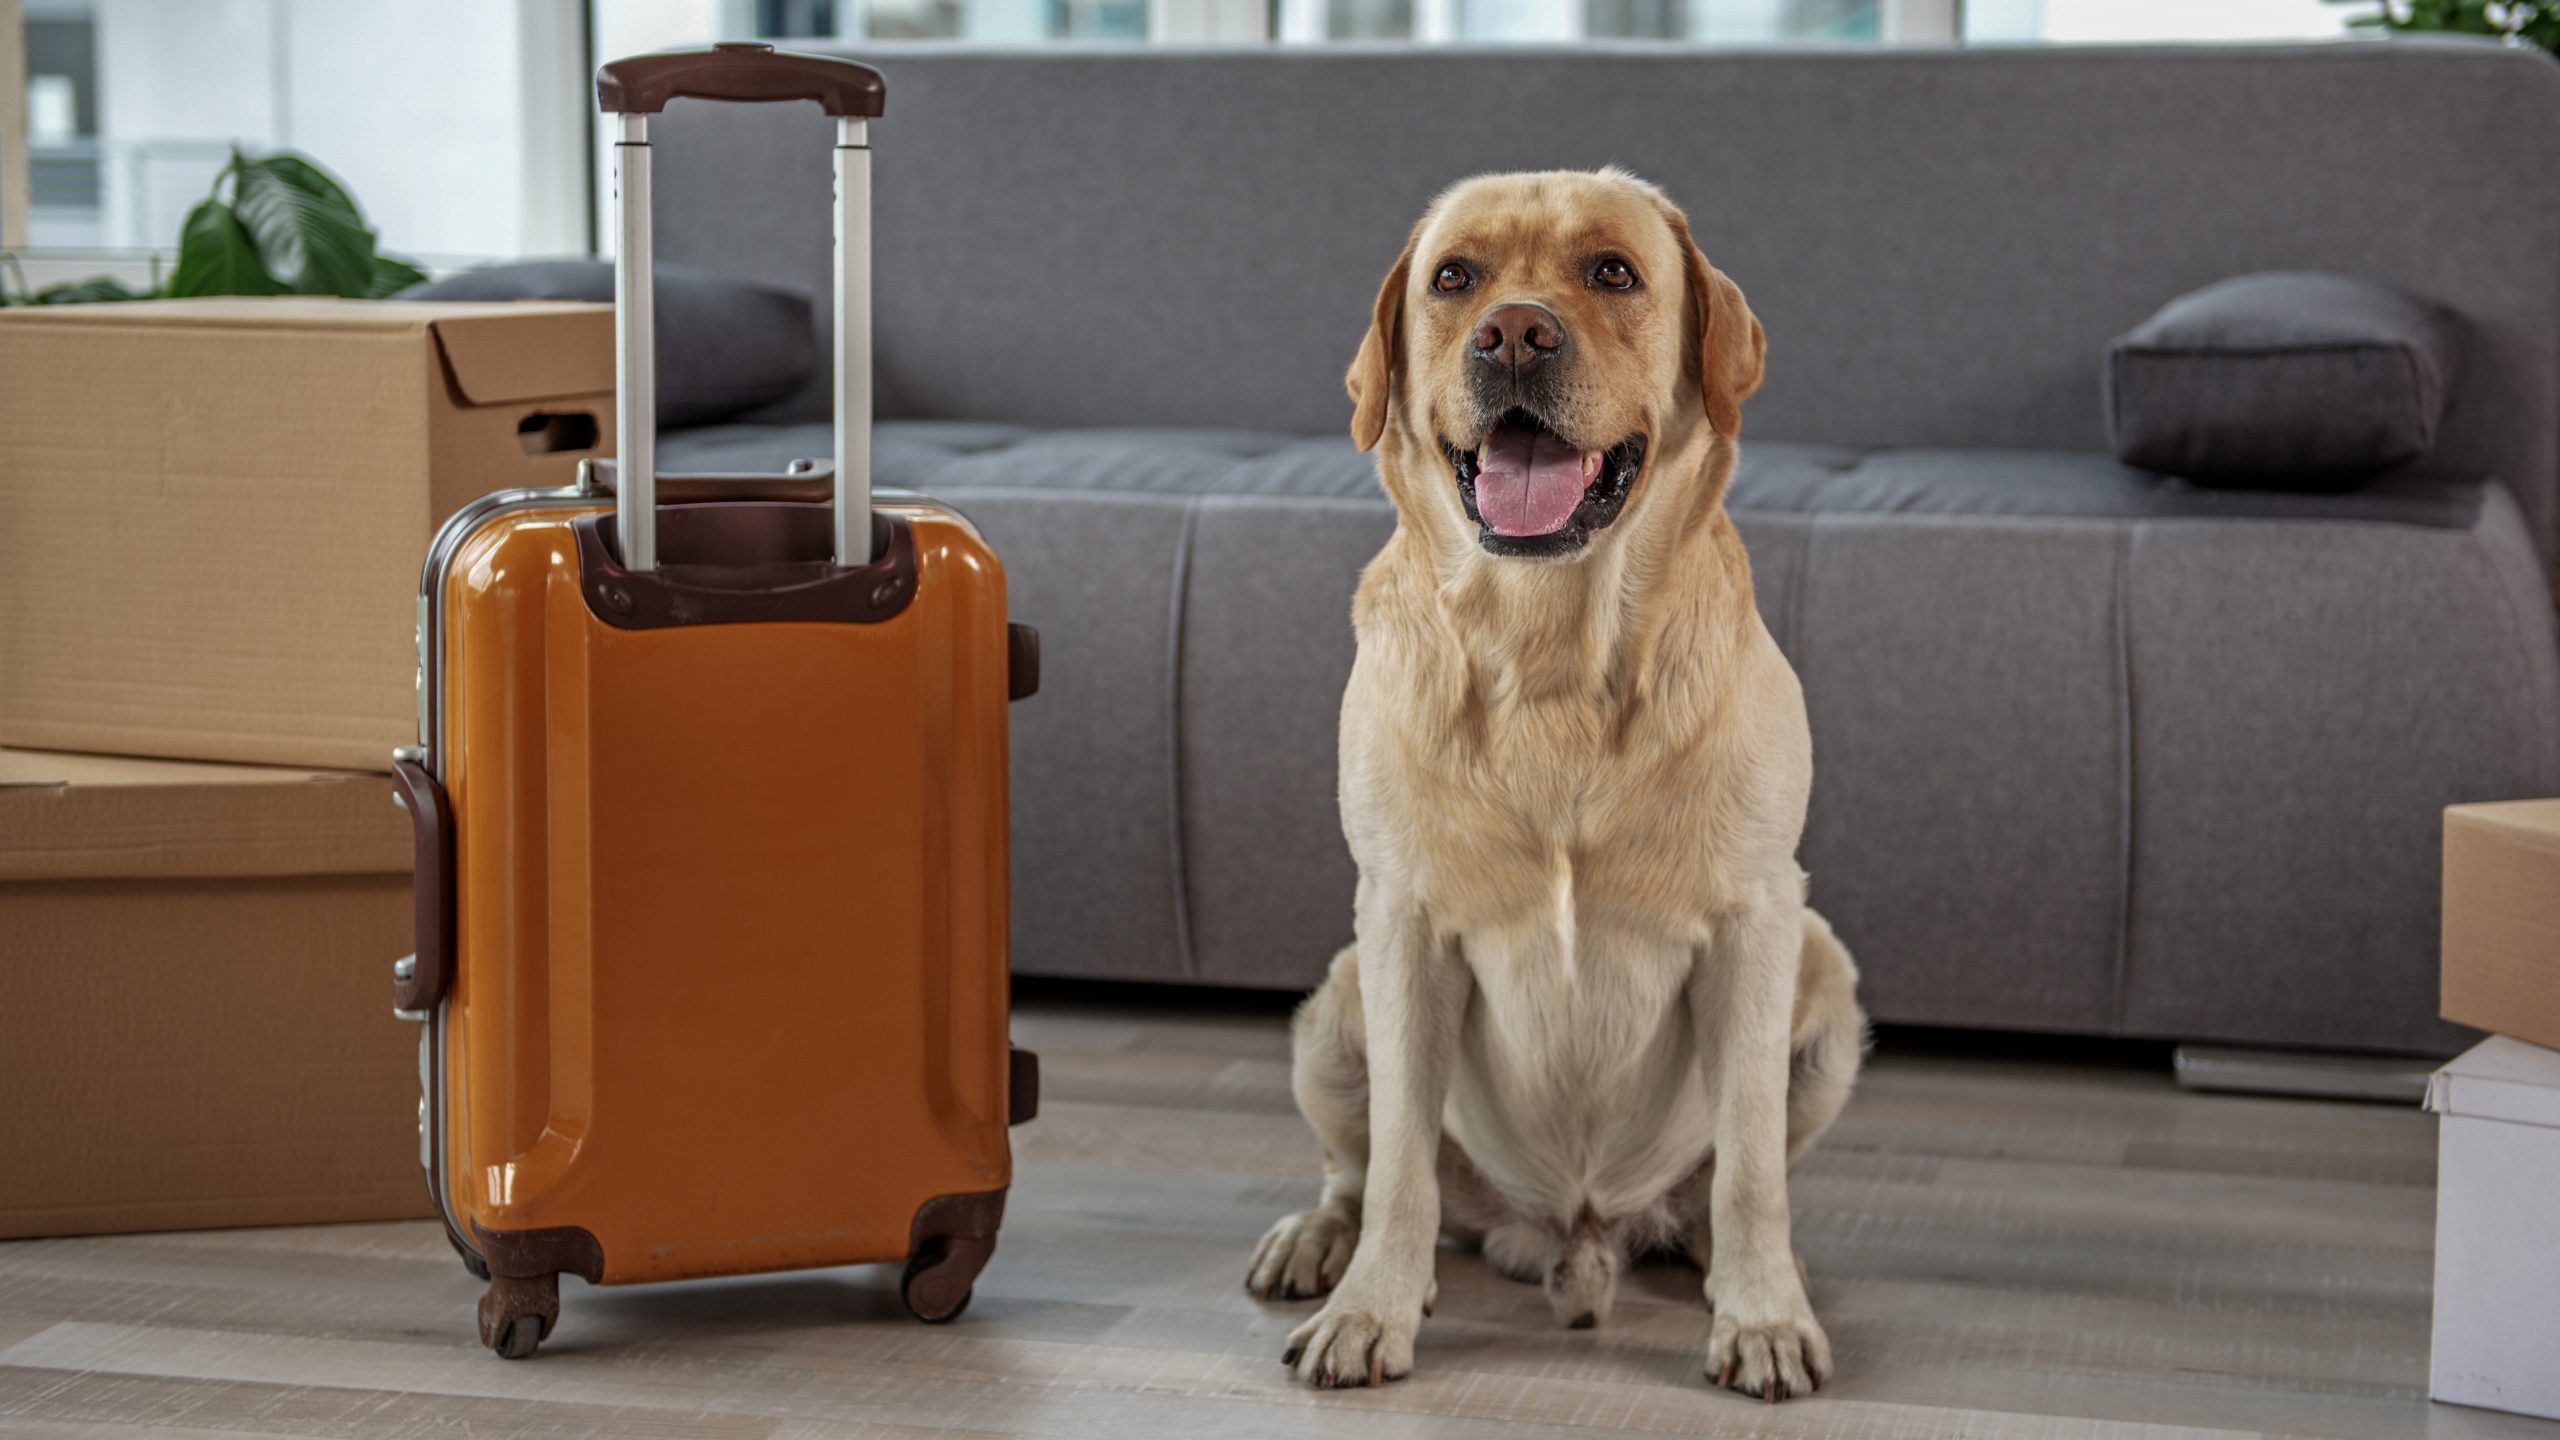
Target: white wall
x,y
2069,20
454,122
2155,20
177,83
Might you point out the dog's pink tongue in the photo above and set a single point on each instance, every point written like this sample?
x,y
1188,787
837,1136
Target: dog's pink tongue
x,y
1528,481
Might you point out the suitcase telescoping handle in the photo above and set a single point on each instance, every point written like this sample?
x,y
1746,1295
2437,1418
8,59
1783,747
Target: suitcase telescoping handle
x,y
641,86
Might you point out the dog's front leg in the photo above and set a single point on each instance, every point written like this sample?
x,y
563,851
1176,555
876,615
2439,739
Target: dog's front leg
x,y
1765,1340
1415,993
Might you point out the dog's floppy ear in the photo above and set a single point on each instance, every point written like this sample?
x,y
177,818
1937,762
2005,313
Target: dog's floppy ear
x,y
1373,369
1732,347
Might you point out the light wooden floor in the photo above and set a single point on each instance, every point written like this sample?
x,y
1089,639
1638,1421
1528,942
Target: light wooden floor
x,y
2001,1248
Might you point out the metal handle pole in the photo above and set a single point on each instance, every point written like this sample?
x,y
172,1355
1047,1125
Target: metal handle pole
x,y
853,342
635,435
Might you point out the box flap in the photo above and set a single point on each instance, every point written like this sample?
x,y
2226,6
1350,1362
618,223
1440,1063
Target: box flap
x,y
292,312
498,355
2531,823
2500,1078
265,312
92,817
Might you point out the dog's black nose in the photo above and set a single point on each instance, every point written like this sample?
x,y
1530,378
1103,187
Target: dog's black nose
x,y
1518,335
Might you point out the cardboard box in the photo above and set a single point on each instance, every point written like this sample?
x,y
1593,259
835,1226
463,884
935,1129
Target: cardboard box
x,y
213,512
195,998
2502,918
2497,1228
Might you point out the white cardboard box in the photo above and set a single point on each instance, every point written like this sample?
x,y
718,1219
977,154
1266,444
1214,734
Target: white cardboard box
x,y
2497,1330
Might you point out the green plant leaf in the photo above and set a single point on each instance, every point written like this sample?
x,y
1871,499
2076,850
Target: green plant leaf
x,y
85,292
391,275
218,256
309,234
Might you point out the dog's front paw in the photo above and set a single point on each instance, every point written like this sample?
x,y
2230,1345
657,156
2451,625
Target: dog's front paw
x,y
1302,1256
1355,1342
1767,1344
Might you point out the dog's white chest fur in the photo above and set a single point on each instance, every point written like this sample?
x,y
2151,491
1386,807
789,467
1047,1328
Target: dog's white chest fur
x,y
1575,1088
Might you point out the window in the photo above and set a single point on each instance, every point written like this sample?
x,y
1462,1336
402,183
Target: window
x,y
476,143
62,130
993,20
1568,20
469,147
2163,20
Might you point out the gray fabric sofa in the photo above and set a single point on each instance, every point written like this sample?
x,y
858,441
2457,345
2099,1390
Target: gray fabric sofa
x,y
2098,751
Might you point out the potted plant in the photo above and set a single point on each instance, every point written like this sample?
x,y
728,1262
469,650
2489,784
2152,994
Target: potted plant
x,y
273,224
2521,22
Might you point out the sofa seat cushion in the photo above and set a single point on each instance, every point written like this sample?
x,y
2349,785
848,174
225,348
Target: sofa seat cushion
x,y
1772,476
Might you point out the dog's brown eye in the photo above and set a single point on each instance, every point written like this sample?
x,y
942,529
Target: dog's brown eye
x,y
1453,277
1613,274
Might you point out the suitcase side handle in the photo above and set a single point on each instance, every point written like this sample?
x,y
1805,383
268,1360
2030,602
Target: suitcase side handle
x,y
632,90
1022,1087
419,980
1021,661
742,70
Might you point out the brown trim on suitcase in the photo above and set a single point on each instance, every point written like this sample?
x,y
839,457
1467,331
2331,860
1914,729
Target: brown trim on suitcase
x,y
738,70
958,1217
511,1298
532,1254
745,562
431,832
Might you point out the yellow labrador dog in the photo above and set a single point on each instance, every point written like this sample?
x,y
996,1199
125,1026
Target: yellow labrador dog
x,y
1588,1014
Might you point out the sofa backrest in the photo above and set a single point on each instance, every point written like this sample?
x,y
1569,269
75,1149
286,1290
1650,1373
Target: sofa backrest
x,y
1940,242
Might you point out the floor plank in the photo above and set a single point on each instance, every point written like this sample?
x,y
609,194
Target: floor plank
x,y
2002,1248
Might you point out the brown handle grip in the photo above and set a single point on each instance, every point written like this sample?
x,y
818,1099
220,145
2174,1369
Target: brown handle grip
x,y
738,70
431,825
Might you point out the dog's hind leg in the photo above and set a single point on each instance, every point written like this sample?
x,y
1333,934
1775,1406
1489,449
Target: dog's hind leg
x,y
1304,1255
1828,1041
1520,1250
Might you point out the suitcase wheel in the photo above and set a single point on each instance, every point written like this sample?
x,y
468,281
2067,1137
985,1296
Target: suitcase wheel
x,y
516,1314
940,1278
521,1337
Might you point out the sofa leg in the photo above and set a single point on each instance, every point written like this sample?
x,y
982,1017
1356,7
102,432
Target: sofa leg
x,y
2313,1074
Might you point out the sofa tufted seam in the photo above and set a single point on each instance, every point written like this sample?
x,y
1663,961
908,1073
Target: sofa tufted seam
x,y
1176,841
2125,788
1795,591
2541,727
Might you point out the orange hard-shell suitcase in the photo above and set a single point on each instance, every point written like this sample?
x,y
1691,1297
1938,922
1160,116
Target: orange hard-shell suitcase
x,y
709,798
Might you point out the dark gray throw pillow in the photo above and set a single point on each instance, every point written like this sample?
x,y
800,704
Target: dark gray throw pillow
x,y
725,346
2283,380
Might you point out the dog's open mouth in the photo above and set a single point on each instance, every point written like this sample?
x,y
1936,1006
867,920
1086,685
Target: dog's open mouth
x,y
1533,495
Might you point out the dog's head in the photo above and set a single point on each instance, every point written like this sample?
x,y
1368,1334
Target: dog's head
x,y
1541,341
